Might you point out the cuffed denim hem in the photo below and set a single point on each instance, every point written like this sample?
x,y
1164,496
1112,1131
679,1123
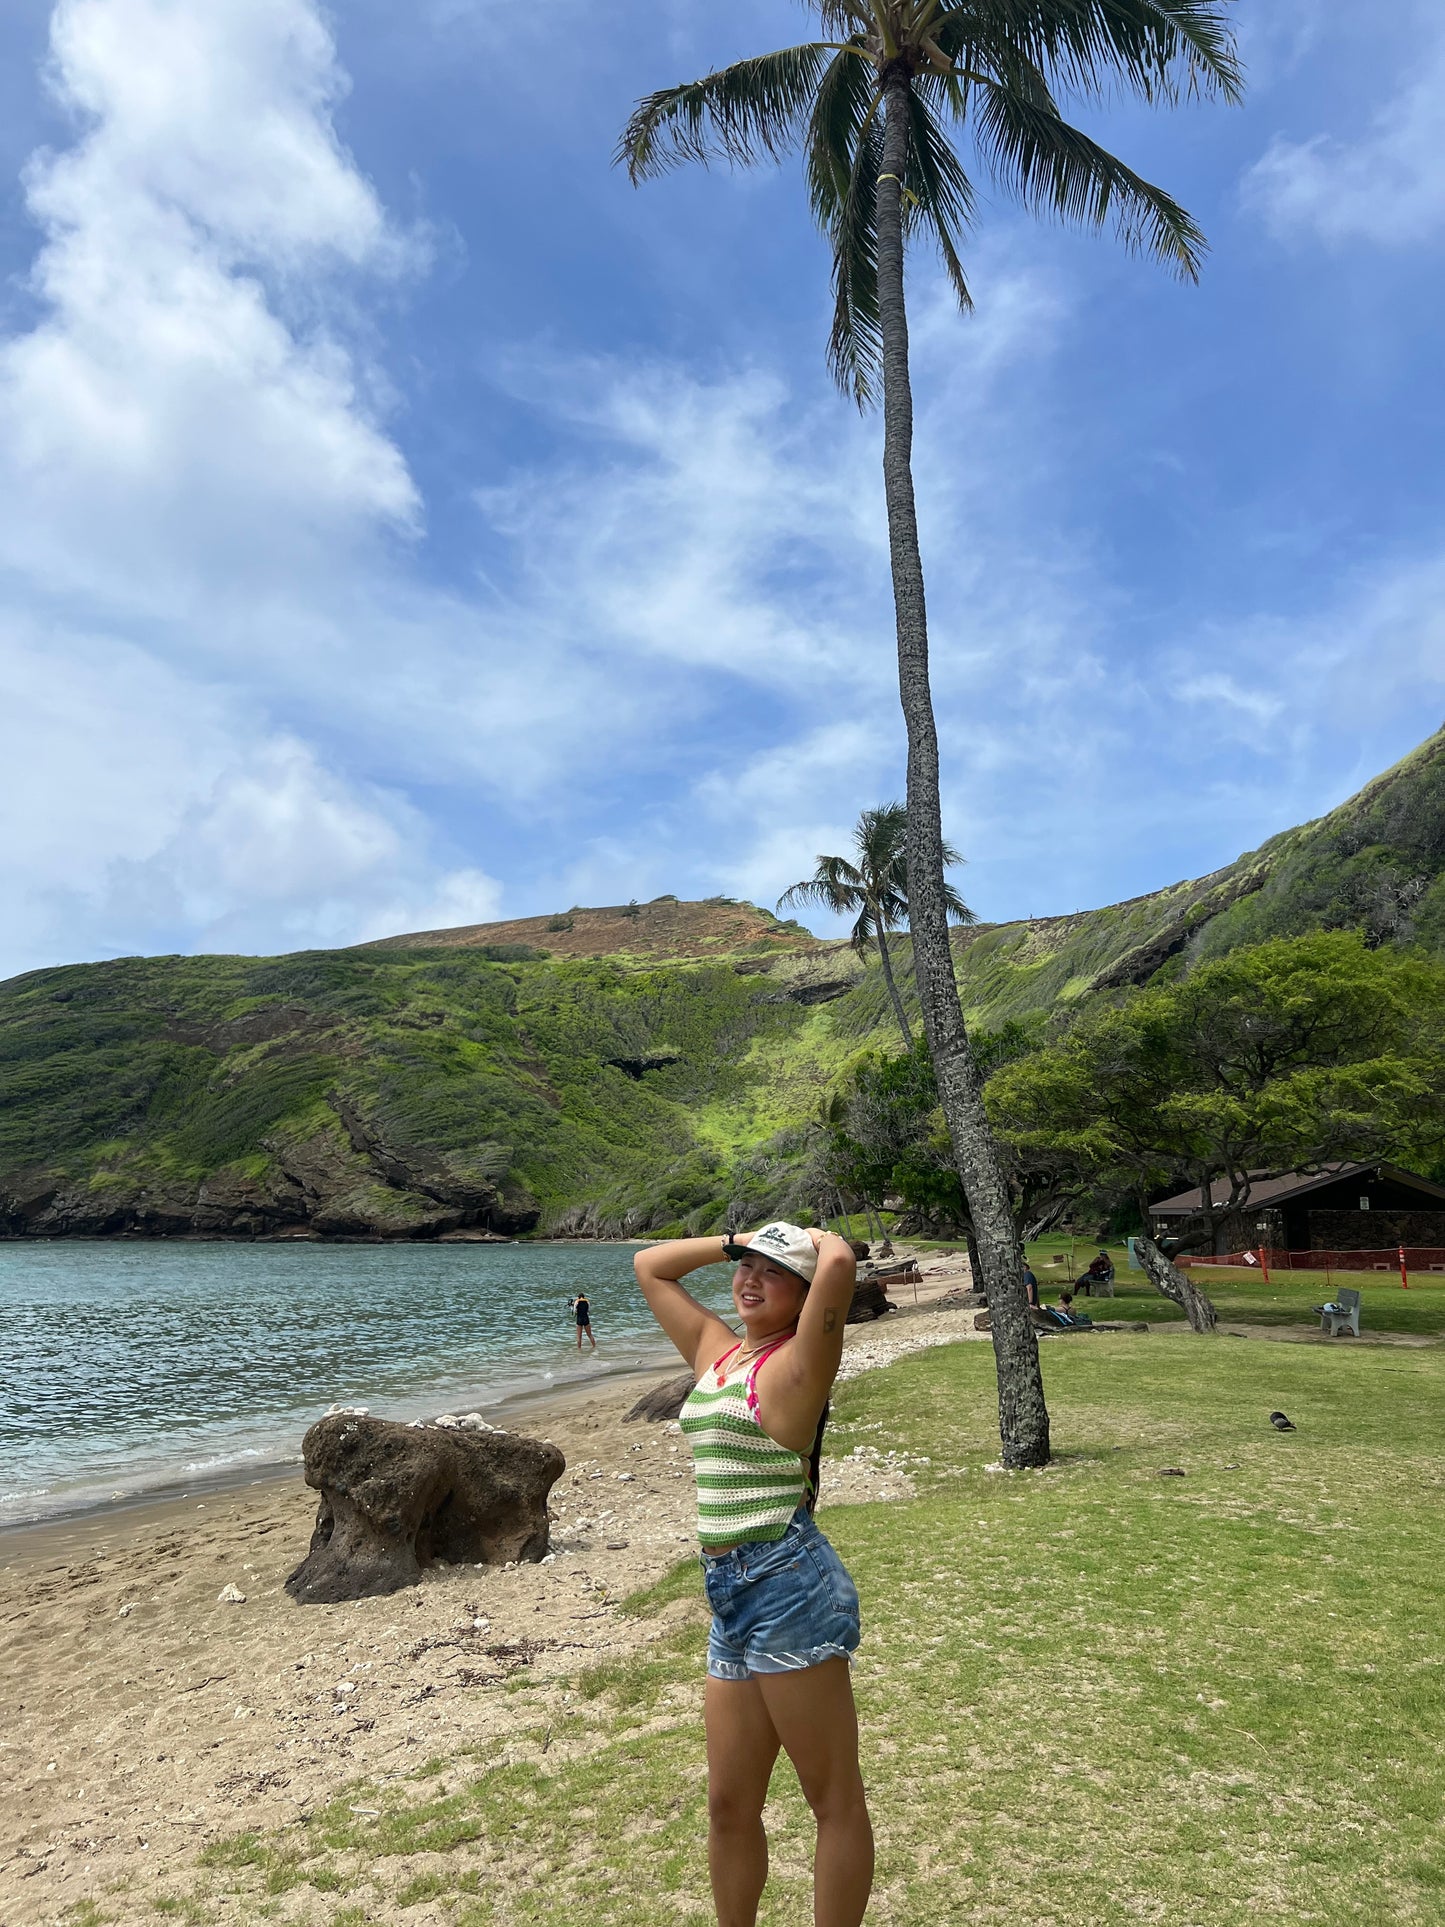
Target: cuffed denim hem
x,y
755,1663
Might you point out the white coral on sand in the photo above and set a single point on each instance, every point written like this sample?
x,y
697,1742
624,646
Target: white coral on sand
x,y
868,1354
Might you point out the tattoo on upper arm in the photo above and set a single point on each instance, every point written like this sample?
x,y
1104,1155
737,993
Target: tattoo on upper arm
x,y
830,1319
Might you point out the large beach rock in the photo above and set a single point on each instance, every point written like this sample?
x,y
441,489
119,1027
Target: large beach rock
x,y
870,1301
663,1401
396,1498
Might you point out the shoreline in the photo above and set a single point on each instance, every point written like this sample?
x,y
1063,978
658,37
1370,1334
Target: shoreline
x,y
199,1468
164,1492
147,1716
156,1502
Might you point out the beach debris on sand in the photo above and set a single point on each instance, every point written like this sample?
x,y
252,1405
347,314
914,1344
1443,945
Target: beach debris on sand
x,y
396,1498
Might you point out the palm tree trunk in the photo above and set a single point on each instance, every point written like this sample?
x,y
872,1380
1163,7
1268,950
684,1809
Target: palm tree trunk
x,y
1023,1415
887,962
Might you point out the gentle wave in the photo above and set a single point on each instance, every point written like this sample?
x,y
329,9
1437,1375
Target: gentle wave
x,y
129,1369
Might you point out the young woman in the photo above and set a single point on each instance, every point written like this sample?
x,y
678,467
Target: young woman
x,y
785,1612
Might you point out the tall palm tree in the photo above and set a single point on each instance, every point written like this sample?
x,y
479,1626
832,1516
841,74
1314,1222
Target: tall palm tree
x,y
874,103
876,887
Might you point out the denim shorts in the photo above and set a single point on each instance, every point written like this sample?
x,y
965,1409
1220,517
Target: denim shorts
x,y
779,1605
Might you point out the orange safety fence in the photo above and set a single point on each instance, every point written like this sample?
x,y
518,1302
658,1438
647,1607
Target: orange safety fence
x,y
1398,1259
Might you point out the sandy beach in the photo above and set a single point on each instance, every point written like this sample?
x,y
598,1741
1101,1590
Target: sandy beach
x,y
145,1717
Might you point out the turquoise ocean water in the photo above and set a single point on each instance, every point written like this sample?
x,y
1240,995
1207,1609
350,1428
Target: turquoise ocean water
x,y
126,1368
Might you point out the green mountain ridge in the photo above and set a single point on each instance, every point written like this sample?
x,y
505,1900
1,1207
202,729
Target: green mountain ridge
x,y
458,1085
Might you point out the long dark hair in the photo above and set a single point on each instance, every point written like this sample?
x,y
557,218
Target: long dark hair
x,y
815,1460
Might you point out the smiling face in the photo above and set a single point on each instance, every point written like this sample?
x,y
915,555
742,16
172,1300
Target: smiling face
x,y
768,1299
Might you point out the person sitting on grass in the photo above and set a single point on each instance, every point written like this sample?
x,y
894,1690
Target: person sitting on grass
x,y
1064,1314
785,1613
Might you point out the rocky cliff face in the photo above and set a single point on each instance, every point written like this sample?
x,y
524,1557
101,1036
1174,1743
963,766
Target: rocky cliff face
x,y
324,1185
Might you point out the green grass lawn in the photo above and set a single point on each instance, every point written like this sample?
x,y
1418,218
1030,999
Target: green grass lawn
x,y
1089,1695
1242,1296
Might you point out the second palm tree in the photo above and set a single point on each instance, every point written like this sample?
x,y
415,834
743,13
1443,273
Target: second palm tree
x,y
873,886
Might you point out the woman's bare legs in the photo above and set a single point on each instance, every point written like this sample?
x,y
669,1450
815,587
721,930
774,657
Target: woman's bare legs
x,y
811,1714
742,1744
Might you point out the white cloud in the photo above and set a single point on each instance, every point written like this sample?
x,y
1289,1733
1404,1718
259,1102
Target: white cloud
x,y
701,526
1274,42
1258,705
222,112
185,465
279,842
775,811
163,429
146,814
733,530
1305,668
1387,187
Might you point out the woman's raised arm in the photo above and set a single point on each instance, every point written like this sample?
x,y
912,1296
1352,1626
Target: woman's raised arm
x,y
699,1334
818,1348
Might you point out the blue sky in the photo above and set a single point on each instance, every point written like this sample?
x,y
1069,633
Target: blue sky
x,y
409,523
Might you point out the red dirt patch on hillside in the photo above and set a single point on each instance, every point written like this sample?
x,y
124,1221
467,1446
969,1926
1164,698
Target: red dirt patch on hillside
x,y
663,929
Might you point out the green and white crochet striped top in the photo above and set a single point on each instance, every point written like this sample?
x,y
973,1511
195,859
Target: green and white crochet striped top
x,y
748,1486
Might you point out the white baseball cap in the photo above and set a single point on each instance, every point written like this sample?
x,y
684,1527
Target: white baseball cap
x,y
786,1245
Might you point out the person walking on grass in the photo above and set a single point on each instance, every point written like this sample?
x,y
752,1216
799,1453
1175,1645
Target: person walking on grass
x,y
582,1311
785,1613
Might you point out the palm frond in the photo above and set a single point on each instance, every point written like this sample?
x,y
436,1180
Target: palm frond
x,y
875,886
843,107
855,342
958,910
1159,49
864,930
1054,168
751,111
835,885
843,148
941,190
879,835
842,16
989,68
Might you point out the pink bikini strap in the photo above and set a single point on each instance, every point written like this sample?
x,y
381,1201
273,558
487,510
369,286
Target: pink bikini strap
x,y
753,1374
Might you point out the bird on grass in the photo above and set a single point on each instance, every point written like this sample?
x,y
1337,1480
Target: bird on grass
x,y
1280,1422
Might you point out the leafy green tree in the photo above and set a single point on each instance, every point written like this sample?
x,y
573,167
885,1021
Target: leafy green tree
x,y
875,886
874,103
889,1137
1283,1057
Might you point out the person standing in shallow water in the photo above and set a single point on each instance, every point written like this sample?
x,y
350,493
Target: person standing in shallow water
x,y
785,1612
582,1312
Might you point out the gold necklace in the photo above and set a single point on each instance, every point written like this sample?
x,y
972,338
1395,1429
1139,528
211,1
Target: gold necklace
x,y
736,1360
